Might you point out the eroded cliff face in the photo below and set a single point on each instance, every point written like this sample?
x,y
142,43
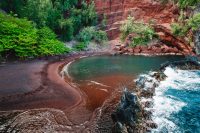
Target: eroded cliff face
x,y
162,15
118,10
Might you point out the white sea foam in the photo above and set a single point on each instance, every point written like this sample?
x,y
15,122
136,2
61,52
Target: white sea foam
x,y
181,79
164,105
97,83
65,70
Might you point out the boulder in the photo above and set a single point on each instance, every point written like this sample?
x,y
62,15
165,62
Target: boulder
x,y
126,114
144,48
137,49
158,50
130,50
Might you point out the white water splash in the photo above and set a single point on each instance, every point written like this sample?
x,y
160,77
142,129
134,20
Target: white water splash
x,y
164,105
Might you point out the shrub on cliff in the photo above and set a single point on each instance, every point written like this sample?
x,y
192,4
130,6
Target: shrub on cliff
x,y
143,33
186,3
182,28
182,3
21,38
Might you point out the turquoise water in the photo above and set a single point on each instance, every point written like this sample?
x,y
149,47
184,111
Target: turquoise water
x,y
177,102
88,68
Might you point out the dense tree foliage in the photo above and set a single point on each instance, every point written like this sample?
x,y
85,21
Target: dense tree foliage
x,y
32,35
21,38
65,17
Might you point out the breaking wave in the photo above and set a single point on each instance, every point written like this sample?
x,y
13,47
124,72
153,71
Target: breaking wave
x,y
176,102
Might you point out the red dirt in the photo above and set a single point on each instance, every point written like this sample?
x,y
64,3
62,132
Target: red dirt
x,y
146,10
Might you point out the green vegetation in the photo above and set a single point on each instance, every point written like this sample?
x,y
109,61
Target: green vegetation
x,y
64,17
187,23
183,27
142,33
21,38
183,3
88,34
80,46
32,34
187,3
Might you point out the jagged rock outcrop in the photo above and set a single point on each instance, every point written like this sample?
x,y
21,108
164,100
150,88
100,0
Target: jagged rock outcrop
x,y
168,38
126,116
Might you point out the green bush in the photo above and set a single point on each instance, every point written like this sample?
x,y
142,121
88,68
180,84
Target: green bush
x,y
100,36
48,44
17,35
186,3
88,34
182,28
20,37
143,32
178,30
80,46
194,22
127,28
183,3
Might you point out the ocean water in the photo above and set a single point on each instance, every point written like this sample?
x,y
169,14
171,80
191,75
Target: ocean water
x,y
176,107
97,66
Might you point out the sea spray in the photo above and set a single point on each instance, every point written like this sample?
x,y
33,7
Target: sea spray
x,y
175,103
168,104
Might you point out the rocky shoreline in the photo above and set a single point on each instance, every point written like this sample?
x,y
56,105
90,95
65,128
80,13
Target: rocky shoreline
x,y
131,115
103,119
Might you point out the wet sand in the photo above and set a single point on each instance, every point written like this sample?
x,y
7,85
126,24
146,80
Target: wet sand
x,y
36,86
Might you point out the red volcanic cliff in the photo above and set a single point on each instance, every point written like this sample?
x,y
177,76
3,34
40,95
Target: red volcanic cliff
x,y
118,10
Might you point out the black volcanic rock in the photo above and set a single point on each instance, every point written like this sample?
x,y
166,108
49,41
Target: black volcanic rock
x,y
126,115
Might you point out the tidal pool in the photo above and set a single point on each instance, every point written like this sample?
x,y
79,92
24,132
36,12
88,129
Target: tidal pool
x,y
97,66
